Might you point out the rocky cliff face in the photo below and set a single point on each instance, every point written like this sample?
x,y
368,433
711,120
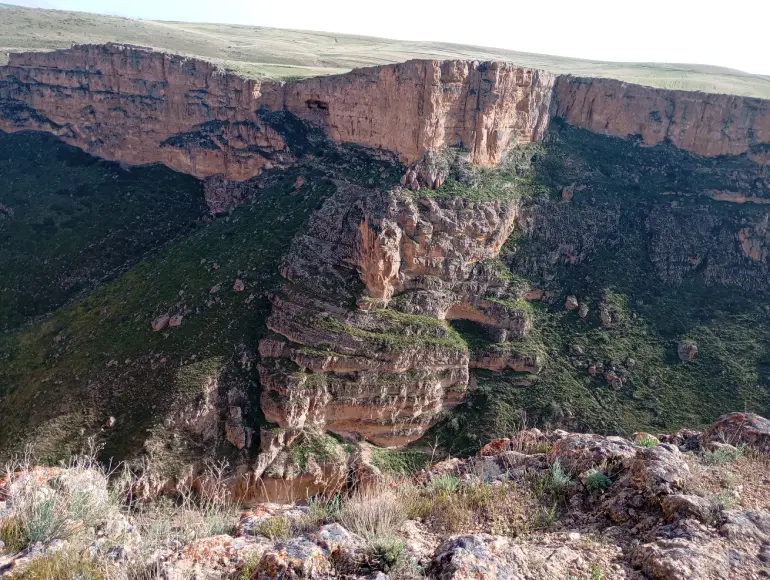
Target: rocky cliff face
x,y
419,106
362,345
139,106
702,123
364,332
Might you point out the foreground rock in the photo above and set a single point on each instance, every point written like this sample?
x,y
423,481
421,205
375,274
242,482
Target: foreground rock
x,y
647,517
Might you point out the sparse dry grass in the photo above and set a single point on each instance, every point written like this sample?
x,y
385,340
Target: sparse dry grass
x,y
743,481
64,565
84,501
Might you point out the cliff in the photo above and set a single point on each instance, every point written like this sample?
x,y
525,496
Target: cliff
x,y
555,284
139,106
702,123
340,360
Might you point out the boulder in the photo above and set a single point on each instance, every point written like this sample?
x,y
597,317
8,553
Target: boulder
x,y
740,428
659,470
746,525
578,452
346,550
479,556
295,558
214,557
571,303
687,349
682,559
681,506
160,322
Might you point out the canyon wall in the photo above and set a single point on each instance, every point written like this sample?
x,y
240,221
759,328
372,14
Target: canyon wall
x,y
340,360
425,105
702,123
138,106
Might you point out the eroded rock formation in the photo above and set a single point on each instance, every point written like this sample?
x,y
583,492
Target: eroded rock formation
x,y
362,345
137,106
702,123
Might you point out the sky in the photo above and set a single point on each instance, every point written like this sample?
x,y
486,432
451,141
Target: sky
x,y
731,34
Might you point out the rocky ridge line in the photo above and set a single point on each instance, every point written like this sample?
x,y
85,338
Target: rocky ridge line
x,y
136,105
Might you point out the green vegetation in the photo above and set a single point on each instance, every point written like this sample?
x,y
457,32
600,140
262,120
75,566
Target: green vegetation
x,y
443,484
597,481
317,447
101,348
67,563
78,221
397,330
274,528
722,455
256,51
399,462
655,263
647,441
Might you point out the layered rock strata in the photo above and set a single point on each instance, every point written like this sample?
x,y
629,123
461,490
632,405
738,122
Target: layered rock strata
x,y
703,123
362,345
137,106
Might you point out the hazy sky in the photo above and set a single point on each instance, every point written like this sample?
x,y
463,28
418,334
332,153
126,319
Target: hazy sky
x,y
728,33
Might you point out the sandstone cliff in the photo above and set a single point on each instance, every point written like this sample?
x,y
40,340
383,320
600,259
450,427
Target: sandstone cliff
x,y
139,106
702,123
340,359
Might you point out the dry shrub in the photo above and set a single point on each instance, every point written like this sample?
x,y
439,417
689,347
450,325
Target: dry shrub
x,y
64,506
376,511
63,565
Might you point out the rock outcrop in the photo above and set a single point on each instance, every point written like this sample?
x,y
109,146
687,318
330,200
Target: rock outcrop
x,y
137,106
702,123
361,344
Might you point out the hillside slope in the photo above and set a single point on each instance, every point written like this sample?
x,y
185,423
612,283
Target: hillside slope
x,y
256,51
422,252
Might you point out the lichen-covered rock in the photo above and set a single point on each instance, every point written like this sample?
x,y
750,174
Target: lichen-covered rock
x,y
746,525
298,558
347,551
682,559
681,506
214,557
578,452
659,470
479,556
741,428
